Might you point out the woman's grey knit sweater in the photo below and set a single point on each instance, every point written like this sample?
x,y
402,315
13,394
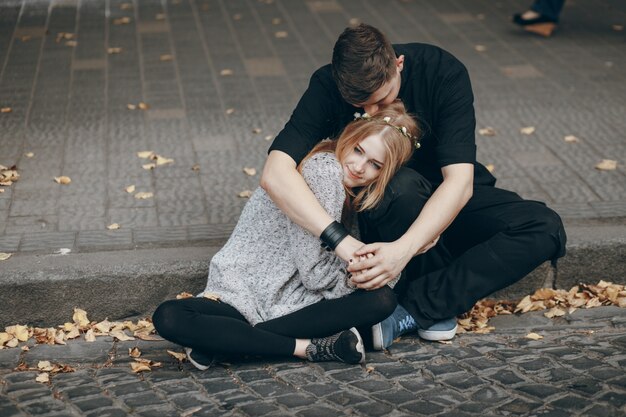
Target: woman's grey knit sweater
x,y
270,266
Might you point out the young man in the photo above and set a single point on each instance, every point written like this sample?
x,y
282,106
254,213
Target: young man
x,y
492,237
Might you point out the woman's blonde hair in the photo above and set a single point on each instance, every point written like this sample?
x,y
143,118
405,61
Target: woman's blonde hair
x,y
387,123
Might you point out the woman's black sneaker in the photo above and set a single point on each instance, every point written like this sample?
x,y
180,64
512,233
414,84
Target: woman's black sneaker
x,y
199,359
346,346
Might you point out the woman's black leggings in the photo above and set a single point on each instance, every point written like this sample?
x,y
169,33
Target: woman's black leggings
x,y
215,327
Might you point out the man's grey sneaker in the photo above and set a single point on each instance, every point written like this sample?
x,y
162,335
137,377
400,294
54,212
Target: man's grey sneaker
x,y
394,326
442,330
346,346
199,359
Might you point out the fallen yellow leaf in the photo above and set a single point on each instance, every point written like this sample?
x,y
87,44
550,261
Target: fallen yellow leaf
x,y
245,194
18,331
114,50
4,256
12,343
276,21
178,355
571,139
269,137
490,167
256,130
226,72
159,16
130,189
120,335
160,160
149,166
281,34
6,110
104,326
534,336
121,21
166,57
63,180
487,131
529,130
143,106
140,367
5,337
45,366
90,336
134,352
29,154
230,111
113,226
249,171
80,317
145,154
143,195
131,106
43,377
554,312
480,48
606,165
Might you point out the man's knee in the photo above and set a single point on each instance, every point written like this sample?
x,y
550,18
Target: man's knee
x,y
546,222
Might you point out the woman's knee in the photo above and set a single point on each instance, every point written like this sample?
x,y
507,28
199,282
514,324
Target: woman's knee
x,y
166,318
384,301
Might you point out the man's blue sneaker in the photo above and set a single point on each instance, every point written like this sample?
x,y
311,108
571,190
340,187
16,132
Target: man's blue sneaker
x,y
442,330
394,326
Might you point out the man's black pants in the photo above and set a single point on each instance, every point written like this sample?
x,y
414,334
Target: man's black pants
x,y
496,240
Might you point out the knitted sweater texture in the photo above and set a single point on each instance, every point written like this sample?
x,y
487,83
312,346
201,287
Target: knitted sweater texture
x,y
270,266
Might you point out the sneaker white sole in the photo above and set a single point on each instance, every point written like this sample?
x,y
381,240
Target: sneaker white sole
x,y
437,335
377,337
194,363
359,345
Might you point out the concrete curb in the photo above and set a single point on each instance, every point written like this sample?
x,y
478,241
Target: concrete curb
x,y
43,289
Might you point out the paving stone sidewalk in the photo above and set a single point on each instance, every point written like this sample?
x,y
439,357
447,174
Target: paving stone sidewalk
x,y
221,76
577,369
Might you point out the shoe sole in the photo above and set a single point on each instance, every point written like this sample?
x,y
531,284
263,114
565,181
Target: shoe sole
x,y
194,363
437,335
377,337
359,345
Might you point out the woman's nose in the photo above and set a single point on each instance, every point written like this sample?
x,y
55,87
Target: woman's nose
x,y
359,165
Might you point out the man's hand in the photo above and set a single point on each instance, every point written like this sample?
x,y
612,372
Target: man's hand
x,y
380,263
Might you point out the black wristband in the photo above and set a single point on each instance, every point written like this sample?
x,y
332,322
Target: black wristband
x,y
332,236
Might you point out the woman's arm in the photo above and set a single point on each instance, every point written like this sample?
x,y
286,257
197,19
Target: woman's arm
x,y
291,193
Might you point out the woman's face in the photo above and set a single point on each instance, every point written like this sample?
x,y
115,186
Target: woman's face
x,y
362,164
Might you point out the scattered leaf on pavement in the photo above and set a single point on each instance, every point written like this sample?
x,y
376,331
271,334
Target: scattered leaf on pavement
x,y
369,369
143,195
143,106
63,180
195,167
281,34
80,317
134,352
490,167
226,72
166,57
480,48
29,154
4,256
90,336
45,366
534,336
528,130
6,110
145,154
606,165
159,16
43,377
184,295
140,367
249,171
618,28
571,139
269,137
245,194
149,166
554,312
121,21
130,106
130,189
230,111
113,226
18,331
181,357
256,130
114,50
63,251
120,335
487,131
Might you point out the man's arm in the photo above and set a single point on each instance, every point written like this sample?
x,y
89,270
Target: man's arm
x,y
438,213
287,188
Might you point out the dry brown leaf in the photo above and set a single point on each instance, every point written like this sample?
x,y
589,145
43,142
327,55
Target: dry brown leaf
x,y
211,296
256,130
528,130
237,16
534,336
230,111
64,35
134,352
487,131
145,154
184,295
281,34
63,180
6,110
166,57
121,21
571,139
90,336
45,366
20,332
490,167
25,38
5,337
113,226
140,367
544,294
103,327
71,43
269,137
143,106
144,195
480,48
160,160
24,348
43,377
245,194
249,171
606,165
181,357
130,189
80,317
1,190
159,16
73,333
130,106
120,335
126,6
4,256
114,50
369,369
195,167
147,336
277,21
554,312
445,342
226,72
29,154
12,343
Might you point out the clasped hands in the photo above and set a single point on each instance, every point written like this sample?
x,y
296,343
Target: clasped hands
x,y
375,264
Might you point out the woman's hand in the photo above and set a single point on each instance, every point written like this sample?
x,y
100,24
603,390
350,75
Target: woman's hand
x,y
347,248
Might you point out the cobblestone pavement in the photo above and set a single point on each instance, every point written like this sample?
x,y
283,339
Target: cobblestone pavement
x,y
222,76
576,370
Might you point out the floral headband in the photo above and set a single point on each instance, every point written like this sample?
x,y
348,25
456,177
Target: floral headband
x,y
402,129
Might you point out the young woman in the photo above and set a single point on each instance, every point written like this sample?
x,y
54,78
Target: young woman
x,y
273,289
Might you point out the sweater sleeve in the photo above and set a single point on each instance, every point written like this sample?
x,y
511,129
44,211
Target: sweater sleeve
x,y
319,270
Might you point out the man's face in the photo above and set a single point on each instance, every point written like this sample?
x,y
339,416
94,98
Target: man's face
x,y
387,92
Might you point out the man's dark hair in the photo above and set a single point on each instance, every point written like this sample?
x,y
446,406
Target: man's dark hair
x,y
363,60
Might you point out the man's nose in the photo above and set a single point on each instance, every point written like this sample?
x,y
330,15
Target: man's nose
x,y
371,109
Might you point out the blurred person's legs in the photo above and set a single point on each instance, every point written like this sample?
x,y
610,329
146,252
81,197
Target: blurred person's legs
x,y
541,18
